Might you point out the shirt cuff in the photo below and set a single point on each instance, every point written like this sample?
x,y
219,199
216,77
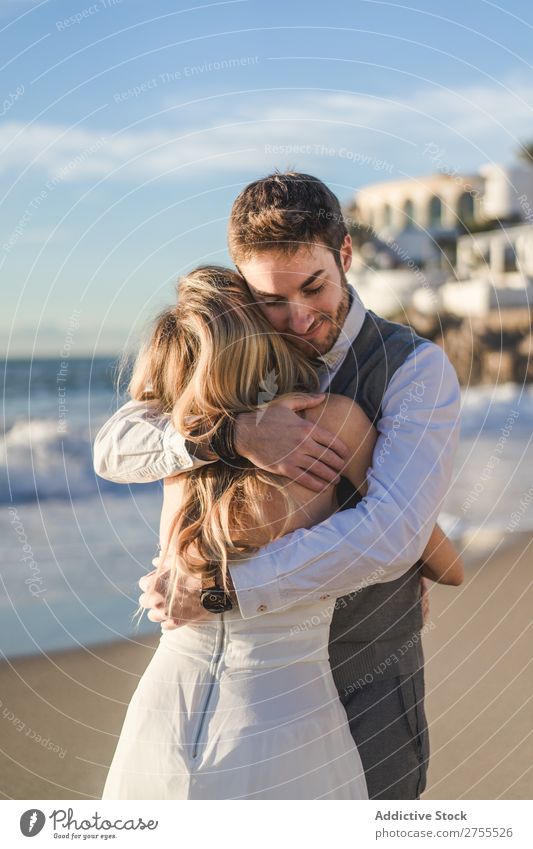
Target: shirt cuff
x,y
255,598
175,447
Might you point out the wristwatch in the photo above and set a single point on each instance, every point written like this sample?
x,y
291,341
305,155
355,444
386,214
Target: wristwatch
x,y
214,599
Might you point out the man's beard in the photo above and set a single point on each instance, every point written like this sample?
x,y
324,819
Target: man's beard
x,y
335,323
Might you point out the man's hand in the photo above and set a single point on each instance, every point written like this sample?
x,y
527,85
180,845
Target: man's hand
x,y
279,440
187,607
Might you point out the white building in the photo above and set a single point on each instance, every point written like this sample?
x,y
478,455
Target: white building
x,y
436,202
416,217
506,191
494,272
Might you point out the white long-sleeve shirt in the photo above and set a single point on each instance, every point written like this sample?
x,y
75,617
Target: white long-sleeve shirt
x,y
383,536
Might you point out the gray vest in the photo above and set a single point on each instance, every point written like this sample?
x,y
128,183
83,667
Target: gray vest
x,y
375,632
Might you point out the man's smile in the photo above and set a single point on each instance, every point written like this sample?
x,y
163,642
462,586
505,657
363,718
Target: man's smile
x,y
313,331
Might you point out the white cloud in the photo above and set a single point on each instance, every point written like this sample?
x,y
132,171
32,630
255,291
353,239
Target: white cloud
x,y
489,116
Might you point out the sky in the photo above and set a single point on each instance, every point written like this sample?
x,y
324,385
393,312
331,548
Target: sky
x,y
128,128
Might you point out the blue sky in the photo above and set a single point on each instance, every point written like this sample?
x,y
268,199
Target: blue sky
x,y
127,129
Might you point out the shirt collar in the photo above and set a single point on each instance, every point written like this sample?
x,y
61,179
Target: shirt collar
x,y
349,331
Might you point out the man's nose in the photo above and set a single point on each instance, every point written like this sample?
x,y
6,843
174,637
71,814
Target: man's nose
x,y
301,318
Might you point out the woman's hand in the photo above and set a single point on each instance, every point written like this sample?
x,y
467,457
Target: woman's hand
x,y
278,440
424,600
187,607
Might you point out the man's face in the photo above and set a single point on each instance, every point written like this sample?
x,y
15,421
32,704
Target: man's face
x,y
304,296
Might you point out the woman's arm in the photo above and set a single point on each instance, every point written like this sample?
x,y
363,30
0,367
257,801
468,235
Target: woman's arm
x,y
345,417
442,561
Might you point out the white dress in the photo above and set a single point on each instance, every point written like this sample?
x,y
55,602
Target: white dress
x,y
239,708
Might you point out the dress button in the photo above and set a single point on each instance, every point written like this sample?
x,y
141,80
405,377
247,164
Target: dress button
x,y
261,608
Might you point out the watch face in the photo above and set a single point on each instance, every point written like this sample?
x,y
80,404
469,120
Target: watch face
x,y
215,600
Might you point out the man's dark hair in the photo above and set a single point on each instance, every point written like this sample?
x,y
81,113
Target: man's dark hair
x,y
283,212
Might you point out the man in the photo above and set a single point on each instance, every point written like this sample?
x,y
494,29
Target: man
x,y
288,238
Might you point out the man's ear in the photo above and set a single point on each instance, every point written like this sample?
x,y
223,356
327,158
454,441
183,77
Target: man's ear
x,y
346,252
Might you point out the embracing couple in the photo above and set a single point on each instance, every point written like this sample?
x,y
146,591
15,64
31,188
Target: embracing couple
x,y
306,445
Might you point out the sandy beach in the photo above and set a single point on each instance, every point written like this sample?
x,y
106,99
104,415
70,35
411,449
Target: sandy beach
x,y
61,714
479,680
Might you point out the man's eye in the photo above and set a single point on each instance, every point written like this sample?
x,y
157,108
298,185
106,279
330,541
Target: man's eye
x,y
307,292
317,290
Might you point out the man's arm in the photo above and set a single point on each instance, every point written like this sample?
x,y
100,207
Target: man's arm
x,y
386,533
138,445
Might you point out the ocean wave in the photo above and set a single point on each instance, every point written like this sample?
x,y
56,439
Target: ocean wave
x,y
489,409
38,460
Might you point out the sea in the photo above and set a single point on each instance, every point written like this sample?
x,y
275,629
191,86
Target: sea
x,y
74,546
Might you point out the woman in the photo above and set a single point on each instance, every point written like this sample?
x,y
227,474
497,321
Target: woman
x,y
231,708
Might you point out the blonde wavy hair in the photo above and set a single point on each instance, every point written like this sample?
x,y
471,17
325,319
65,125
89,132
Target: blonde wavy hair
x,y
210,356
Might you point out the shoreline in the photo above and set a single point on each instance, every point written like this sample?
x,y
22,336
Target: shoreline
x,y
61,713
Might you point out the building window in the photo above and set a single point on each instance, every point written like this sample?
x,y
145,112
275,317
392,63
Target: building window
x,y
408,215
465,208
387,215
435,212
